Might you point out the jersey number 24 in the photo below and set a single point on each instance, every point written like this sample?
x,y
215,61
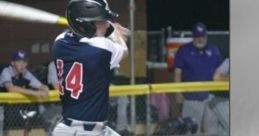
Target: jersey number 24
x,y
73,80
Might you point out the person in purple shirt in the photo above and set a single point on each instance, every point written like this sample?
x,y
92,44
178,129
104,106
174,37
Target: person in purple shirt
x,y
196,61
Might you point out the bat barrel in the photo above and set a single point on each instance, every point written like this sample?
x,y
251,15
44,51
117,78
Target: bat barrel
x,y
25,13
62,21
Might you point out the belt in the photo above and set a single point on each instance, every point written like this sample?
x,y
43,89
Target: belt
x,y
87,127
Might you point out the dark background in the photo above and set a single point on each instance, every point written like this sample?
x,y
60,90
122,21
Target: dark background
x,y
150,15
182,14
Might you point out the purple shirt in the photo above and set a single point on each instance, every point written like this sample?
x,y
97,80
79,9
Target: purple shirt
x,y
197,65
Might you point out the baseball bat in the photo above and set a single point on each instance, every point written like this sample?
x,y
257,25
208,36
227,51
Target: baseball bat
x,y
26,13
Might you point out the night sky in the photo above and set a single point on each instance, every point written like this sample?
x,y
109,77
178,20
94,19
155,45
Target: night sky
x,y
182,14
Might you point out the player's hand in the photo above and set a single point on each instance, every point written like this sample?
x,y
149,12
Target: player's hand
x,y
120,31
123,32
44,87
41,94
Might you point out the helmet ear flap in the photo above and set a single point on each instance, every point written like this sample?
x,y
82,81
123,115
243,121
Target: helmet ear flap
x,y
88,29
83,28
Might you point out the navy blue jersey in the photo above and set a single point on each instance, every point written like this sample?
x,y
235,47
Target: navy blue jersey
x,y
84,73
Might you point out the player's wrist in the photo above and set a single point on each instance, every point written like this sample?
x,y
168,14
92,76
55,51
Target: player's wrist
x,y
33,93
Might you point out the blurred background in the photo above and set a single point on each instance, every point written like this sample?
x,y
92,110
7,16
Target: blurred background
x,y
151,16
161,27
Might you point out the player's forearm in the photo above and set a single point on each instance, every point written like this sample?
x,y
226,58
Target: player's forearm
x,y
21,90
44,88
177,75
120,42
55,86
220,77
120,37
178,78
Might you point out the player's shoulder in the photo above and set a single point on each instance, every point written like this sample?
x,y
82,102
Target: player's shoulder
x,y
95,40
60,36
226,61
98,42
186,46
213,47
51,64
7,69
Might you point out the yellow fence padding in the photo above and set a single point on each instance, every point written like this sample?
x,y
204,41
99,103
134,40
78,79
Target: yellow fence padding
x,y
190,87
123,90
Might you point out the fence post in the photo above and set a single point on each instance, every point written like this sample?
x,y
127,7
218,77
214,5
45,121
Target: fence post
x,y
132,64
148,112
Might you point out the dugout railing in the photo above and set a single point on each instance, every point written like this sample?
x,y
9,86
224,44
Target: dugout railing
x,y
143,91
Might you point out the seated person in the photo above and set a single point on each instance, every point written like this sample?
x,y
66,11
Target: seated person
x,y
16,78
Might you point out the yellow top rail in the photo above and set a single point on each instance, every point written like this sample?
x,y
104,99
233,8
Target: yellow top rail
x,y
122,90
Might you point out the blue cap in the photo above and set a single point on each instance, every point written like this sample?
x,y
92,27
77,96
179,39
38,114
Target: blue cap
x,y
199,30
20,55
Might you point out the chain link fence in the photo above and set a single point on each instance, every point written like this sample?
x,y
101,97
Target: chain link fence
x,y
155,116
35,119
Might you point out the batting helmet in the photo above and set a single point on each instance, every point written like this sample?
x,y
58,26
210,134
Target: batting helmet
x,y
81,15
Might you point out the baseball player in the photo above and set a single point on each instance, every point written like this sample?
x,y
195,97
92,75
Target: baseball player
x,y
84,59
